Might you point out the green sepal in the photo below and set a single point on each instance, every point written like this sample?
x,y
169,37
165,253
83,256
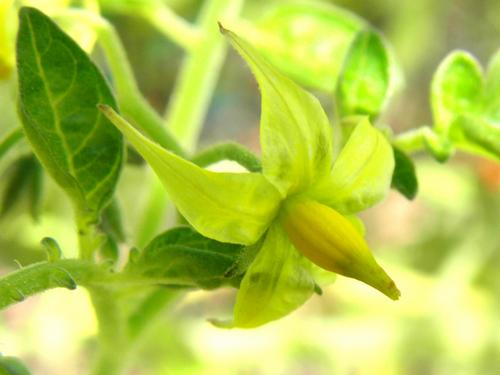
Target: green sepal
x,y
228,207
361,175
404,178
456,89
295,133
59,88
364,84
183,257
277,282
307,41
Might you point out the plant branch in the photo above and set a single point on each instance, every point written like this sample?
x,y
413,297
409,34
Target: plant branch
x,y
228,151
160,16
39,277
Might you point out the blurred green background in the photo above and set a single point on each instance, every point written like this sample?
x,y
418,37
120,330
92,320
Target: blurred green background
x,y
443,249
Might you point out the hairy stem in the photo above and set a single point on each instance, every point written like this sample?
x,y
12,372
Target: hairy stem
x,y
39,277
228,151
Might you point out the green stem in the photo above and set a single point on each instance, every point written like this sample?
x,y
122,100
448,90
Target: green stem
x,y
113,339
228,151
424,139
153,216
160,16
10,140
199,74
172,26
39,277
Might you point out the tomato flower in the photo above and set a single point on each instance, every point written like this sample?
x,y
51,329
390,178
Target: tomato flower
x,y
299,211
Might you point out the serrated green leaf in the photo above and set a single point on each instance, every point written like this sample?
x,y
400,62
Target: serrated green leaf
x,y
295,133
456,89
59,89
229,207
491,106
12,366
307,41
361,175
365,80
277,282
184,257
476,135
404,178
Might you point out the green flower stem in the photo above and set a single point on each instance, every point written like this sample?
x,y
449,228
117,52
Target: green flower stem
x,y
10,140
145,314
199,73
39,277
160,16
412,140
424,138
172,26
228,151
114,342
152,218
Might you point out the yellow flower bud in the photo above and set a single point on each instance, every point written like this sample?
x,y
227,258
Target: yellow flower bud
x,y
329,240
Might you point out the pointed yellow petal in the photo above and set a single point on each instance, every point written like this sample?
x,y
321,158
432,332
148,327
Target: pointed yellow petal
x,y
332,242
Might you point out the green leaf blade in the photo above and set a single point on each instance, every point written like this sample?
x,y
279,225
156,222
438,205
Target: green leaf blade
x,y
183,256
59,90
365,81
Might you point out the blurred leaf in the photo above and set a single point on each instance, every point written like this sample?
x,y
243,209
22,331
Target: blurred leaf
x,y
456,89
25,178
476,135
365,79
10,140
59,90
307,41
404,178
492,89
12,366
181,256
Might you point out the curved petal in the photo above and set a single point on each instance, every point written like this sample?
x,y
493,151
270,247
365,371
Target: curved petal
x,y
295,133
276,283
228,207
362,173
